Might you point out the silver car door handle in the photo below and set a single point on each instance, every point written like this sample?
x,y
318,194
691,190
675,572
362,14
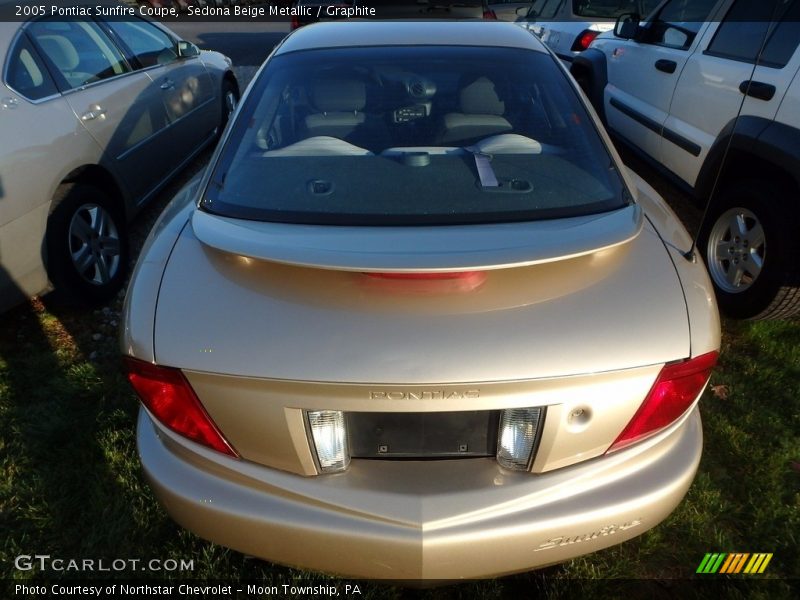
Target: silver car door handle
x,y
168,84
93,114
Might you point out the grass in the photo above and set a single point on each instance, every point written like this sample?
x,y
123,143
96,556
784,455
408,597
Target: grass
x,y
71,485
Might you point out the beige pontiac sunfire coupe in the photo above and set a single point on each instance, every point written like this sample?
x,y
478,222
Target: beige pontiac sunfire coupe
x,y
417,320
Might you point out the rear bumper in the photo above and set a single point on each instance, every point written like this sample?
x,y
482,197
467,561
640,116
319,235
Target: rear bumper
x,y
421,520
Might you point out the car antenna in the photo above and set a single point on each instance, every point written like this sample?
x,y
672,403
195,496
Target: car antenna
x,y
690,254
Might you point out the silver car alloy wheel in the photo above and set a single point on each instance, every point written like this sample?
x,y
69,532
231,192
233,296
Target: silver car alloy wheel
x,y
94,244
737,249
230,102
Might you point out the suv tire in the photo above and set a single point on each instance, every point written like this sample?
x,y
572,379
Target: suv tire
x,y
752,254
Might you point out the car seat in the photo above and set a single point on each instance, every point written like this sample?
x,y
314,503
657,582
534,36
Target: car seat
x,y
481,114
340,114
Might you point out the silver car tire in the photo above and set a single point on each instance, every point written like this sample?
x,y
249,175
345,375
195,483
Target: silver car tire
x,y
230,99
87,245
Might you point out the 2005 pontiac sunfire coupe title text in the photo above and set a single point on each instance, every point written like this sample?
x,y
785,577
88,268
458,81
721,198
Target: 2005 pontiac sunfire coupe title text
x,y
417,320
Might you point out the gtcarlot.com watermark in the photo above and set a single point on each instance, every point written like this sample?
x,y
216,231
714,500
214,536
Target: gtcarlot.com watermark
x,y
47,563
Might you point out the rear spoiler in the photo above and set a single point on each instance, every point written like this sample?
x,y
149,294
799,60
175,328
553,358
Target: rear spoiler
x,y
420,249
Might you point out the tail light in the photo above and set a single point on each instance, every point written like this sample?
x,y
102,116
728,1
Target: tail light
x,y
488,15
166,393
584,40
675,390
295,22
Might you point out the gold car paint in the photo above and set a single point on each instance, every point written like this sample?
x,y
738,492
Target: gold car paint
x,y
421,519
484,247
584,414
701,303
559,319
139,309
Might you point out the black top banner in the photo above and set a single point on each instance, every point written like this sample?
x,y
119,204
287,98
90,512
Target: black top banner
x,y
307,11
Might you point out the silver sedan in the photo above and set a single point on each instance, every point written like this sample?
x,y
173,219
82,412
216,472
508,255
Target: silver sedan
x,y
95,116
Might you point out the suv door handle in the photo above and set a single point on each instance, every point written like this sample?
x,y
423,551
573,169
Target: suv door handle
x,y
667,66
758,89
168,84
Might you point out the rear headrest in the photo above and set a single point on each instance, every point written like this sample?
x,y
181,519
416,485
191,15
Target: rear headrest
x,y
480,98
339,95
61,51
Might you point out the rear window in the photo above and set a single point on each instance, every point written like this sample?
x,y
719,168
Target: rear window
x,y
413,135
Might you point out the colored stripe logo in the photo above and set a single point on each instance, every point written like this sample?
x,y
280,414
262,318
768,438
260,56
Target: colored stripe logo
x,y
733,563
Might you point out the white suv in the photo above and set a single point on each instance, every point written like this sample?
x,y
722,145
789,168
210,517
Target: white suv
x,y
569,26
672,88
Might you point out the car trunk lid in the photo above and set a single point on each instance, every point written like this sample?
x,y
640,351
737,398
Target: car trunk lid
x,y
298,303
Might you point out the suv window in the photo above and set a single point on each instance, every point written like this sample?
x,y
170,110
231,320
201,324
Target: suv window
x,y
149,45
409,135
27,74
741,35
678,22
79,51
544,9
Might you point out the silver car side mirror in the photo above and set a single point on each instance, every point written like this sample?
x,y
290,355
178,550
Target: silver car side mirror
x,y
187,49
